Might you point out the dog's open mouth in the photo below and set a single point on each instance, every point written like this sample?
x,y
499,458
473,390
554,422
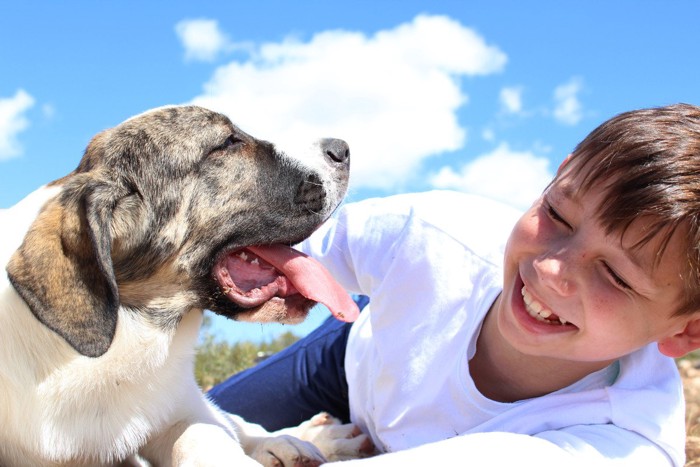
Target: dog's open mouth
x,y
252,276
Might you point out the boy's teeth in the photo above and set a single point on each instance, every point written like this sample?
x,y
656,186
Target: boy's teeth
x,y
537,310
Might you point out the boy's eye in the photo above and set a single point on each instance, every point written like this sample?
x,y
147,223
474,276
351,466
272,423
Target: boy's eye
x,y
618,280
555,216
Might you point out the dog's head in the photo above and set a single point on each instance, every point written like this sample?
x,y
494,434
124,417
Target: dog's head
x,y
173,210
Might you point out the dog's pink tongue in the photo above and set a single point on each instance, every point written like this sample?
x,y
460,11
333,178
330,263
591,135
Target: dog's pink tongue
x,y
310,278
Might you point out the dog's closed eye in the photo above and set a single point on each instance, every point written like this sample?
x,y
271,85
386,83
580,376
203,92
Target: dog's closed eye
x,y
231,142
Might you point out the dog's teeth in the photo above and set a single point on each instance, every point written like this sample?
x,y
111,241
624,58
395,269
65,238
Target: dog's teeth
x,y
243,256
255,261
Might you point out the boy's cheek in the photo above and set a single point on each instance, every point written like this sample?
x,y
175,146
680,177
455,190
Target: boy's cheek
x,y
530,232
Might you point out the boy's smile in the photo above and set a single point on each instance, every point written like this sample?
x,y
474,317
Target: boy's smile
x,y
538,311
576,297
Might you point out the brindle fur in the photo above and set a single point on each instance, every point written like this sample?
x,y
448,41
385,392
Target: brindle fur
x,y
155,200
117,268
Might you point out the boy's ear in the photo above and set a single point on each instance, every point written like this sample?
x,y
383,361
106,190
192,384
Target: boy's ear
x,y
563,164
683,342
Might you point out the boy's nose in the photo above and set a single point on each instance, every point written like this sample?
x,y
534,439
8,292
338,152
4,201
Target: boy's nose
x,y
554,273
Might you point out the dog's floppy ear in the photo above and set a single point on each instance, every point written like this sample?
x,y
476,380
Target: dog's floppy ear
x,y
63,269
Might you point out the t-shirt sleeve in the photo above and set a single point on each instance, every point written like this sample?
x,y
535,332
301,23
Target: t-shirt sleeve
x,y
356,245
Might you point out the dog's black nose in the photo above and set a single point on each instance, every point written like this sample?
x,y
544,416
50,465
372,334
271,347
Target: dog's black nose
x,y
336,149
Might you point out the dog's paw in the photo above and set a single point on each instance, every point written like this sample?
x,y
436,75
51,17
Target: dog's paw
x,y
287,451
337,441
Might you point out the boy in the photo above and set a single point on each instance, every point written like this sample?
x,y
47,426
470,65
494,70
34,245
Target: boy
x,y
549,345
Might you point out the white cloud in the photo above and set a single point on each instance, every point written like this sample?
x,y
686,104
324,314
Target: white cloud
x,y
12,122
568,109
202,39
511,99
392,95
516,178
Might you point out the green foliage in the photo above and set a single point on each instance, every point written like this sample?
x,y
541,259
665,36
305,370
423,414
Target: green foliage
x,y
216,360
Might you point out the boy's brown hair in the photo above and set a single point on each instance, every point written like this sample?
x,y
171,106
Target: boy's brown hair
x,y
648,163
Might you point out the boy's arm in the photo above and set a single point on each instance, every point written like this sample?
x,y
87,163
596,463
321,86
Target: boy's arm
x,y
360,245
355,246
599,445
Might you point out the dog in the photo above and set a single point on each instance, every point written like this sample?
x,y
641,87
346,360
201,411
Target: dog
x,y
109,269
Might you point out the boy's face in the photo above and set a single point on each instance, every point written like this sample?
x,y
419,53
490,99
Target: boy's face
x,y
573,292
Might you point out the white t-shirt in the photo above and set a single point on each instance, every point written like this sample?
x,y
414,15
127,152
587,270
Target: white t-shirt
x,y
431,264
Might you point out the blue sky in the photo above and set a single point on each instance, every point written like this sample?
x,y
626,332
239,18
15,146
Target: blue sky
x,y
485,96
